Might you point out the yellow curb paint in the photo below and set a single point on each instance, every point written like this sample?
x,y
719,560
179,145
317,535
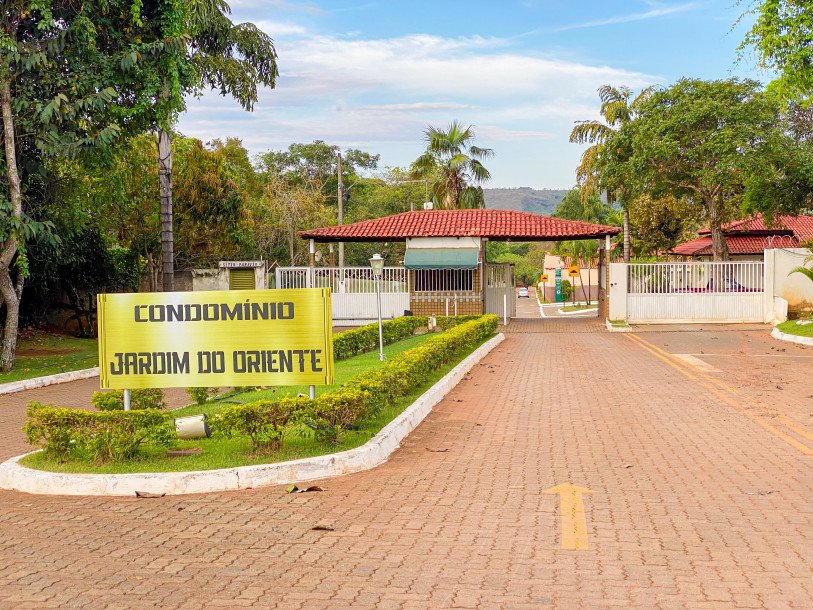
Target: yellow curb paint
x,y
682,366
574,520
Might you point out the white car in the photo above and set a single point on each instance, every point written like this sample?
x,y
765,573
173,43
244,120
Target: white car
x,y
522,293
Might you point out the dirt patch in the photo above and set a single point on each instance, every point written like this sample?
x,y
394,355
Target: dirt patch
x,y
33,351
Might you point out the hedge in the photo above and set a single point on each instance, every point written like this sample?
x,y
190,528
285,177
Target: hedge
x,y
147,398
119,435
99,437
365,395
365,338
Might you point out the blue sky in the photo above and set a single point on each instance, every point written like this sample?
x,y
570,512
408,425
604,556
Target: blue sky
x,y
373,75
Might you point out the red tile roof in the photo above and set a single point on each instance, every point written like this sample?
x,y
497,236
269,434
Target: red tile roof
x,y
495,224
801,226
753,235
737,244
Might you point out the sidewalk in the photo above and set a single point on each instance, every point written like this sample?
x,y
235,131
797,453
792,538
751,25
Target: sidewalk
x,y
694,503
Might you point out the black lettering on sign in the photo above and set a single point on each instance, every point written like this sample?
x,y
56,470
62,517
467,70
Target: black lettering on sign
x,y
150,363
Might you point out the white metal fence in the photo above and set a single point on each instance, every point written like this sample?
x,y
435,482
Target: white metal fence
x,y
353,291
697,291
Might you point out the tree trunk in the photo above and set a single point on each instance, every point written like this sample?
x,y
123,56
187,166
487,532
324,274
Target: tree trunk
x,y
10,289
626,217
719,246
165,187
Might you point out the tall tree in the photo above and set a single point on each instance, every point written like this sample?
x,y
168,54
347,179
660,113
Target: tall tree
x,y
233,59
695,140
455,165
782,36
618,108
62,91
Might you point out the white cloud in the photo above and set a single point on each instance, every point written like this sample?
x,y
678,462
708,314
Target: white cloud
x,y
659,11
380,94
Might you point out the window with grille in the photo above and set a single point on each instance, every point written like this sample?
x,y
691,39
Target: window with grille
x,y
444,280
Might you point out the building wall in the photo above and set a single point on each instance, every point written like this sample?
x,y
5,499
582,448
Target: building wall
x,y
794,288
434,303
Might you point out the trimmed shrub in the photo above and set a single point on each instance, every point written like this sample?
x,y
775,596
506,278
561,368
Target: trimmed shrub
x,y
263,421
365,338
100,437
331,413
147,398
201,395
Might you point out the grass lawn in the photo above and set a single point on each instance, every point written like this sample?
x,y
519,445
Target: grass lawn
x,y
41,353
222,452
578,307
790,327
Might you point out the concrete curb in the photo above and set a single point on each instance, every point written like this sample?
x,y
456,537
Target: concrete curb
x,y
374,452
778,334
577,312
617,329
41,382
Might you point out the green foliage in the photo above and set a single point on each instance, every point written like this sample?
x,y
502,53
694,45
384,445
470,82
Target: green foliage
x,y
263,421
100,437
140,399
201,395
695,140
782,36
365,338
454,165
567,289
362,397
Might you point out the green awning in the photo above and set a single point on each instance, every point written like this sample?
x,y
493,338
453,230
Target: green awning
x,y
441,258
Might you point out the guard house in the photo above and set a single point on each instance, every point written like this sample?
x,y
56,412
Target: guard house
x,y
445,270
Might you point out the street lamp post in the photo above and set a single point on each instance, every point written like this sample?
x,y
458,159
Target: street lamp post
x,y
377,264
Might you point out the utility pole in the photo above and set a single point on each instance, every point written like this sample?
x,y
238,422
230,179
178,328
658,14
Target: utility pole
x,y
341,208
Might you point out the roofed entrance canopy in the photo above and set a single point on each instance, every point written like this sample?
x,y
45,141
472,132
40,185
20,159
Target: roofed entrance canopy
x,y
490,224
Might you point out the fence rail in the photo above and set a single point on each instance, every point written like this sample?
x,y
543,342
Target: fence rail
x,y
344,280
698,291
697,277
353,291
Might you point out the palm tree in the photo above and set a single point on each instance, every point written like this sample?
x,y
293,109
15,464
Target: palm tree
x,y
453,165
617,110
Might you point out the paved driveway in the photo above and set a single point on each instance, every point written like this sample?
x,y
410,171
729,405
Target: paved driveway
x,y
701,497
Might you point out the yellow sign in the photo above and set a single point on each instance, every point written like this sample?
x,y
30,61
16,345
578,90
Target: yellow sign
x,y
573,271
543,279
215,339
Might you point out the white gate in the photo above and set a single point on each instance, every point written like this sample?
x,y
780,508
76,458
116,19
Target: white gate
x,y
695,292
501,296
353,292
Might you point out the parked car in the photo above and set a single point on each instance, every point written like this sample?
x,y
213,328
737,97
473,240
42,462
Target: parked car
x,y
522,293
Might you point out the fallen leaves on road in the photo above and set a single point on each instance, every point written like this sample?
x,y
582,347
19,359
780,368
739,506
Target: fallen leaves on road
x,y
148,494
293,489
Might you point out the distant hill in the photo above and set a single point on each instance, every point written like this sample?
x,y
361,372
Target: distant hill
x,y
524,199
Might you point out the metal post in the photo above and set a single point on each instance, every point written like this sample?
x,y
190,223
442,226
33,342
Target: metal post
x,y
447,307
312,392
341,209
505,309
380,327
126,400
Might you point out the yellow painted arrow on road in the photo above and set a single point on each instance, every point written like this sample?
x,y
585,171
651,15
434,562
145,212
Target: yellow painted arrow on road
x,y
574,521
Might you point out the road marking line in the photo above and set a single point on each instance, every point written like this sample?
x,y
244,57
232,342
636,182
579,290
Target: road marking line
x,y
573,517
740,408
698,363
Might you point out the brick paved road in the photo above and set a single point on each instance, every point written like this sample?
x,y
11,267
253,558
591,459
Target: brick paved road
x,y
695,502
